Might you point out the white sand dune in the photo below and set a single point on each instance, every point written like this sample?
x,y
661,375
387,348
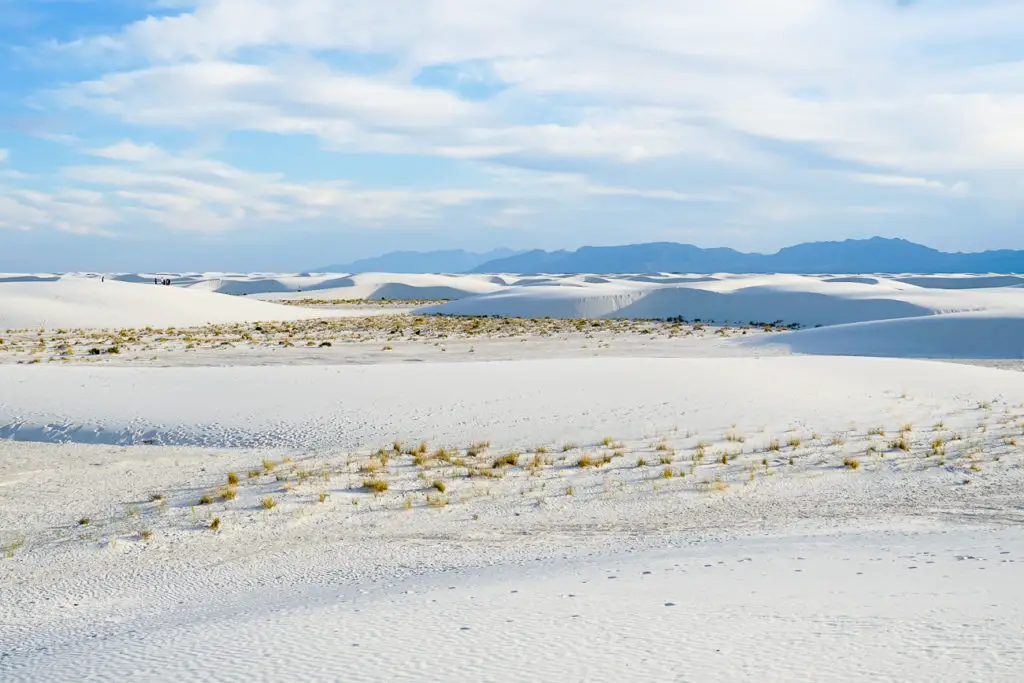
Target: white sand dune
x,y
360,286
523,401
795,299
984,335
759,516
74,302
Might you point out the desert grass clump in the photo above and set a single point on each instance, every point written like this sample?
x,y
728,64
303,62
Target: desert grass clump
x,y
228,493
607,442
323,496
437,500
774,446
899,444
268,503
207,499
666,459
641,462
510,459
478,448
232,479
375,485
662,447
667,473
586,461
253,474
215,524
851,463
876,431
439,485
794,442
145,534
156,498
569,446
84,521
269,466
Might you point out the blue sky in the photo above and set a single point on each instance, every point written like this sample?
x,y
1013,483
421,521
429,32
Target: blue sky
x,y
280,135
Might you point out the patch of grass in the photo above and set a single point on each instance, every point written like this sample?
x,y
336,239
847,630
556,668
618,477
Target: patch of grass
x,y
665,460
586,461
899,444
667,473
907,428
478,448
156,498
215,524
607,442
640,462
661,447
269,465
228,493
507,460
375,485
794,442
774,446
570,446
268,503
732,437
436,500
207,499
851,463
84,521
145,534
323,496
253,474
232,479
440,486
876,431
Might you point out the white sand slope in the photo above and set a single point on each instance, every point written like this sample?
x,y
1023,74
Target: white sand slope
x,y
852,608
73,302
514,401
984,335
359,286
796,299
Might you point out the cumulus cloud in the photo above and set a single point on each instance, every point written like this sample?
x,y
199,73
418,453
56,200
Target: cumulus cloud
x,y
802,107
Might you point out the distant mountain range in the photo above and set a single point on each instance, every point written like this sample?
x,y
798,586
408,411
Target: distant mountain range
x,y
874,255
451,261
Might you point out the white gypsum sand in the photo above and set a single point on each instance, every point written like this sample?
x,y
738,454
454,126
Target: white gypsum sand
x,y
500,499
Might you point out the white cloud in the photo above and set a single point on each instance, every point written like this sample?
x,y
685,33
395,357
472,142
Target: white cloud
x,y
820,104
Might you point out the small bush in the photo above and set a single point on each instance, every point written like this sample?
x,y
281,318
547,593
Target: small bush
x,y
145,534
232,479
439,485
207,499
215,524
569,446
268,503
437,500
851,463
774,446
586,461
375,485
899,444
478,448
84,521
229,493
323,496
507,460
